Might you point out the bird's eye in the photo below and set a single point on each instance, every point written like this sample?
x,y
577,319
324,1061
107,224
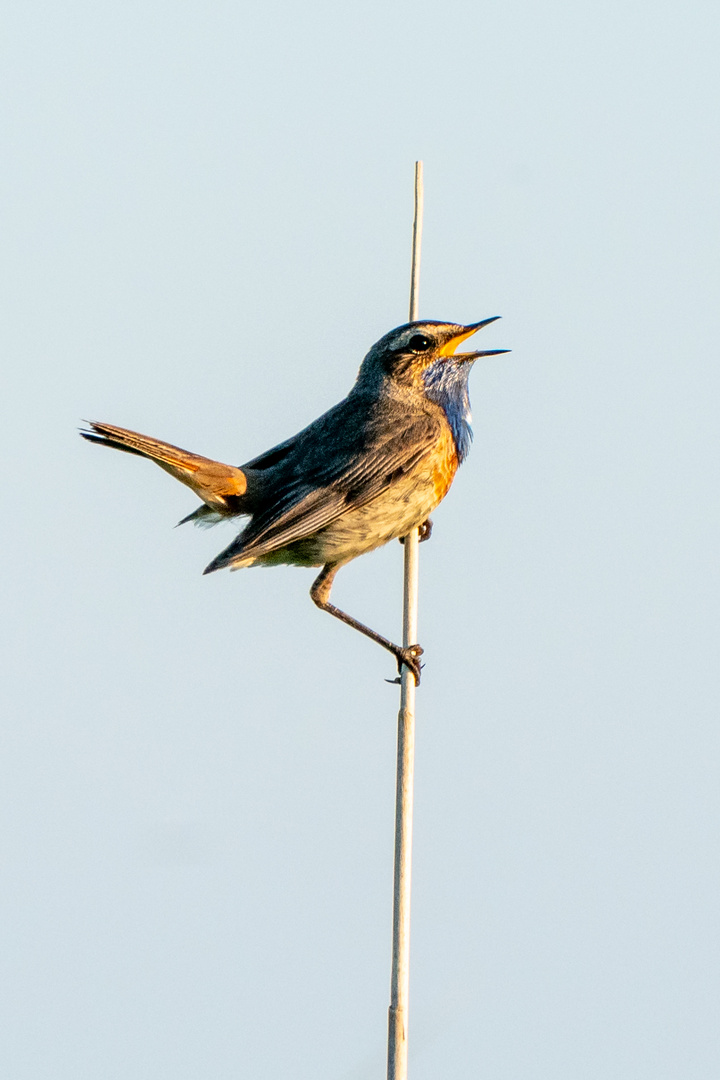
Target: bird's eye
x,y
419,343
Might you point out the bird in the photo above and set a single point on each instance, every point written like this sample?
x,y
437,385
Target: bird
x,y
370,470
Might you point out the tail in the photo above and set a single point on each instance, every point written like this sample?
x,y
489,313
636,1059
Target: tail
x,y
219,486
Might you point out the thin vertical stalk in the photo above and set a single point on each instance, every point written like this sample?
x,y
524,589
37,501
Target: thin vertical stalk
x,y
399,984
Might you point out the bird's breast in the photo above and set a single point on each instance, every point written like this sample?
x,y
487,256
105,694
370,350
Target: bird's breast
x,y
444,465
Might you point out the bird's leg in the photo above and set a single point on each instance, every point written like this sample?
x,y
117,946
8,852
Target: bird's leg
x,y
320,595
424,531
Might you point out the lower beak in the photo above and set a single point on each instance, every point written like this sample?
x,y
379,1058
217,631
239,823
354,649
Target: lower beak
x,y
467,357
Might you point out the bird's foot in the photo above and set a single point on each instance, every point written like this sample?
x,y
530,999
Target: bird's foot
x,y
410,657
424,531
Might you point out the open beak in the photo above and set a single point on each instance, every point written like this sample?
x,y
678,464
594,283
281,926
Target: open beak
x,y
448,349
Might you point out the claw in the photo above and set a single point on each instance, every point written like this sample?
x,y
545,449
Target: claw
x,y
410,657
424,531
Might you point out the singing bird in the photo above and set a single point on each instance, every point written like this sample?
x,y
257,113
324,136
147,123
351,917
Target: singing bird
x,y
368,471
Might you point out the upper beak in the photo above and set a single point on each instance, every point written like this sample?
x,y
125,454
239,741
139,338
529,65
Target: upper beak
x,y
448,349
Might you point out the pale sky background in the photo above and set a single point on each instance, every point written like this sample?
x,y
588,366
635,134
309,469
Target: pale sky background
x,y
206,215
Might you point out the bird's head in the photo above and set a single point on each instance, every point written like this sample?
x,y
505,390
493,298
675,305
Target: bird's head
x,y
422,352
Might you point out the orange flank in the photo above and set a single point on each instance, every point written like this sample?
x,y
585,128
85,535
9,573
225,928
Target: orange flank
x,y
445,465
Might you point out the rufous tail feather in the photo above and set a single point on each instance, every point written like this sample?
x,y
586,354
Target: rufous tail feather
x,y
219,486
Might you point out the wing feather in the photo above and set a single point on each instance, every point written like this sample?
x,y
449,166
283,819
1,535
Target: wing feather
x,y
328,478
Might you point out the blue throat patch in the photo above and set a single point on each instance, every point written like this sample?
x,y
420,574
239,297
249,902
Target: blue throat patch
x,y
446,383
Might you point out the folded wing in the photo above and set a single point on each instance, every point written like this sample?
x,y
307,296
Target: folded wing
x,y
325,478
